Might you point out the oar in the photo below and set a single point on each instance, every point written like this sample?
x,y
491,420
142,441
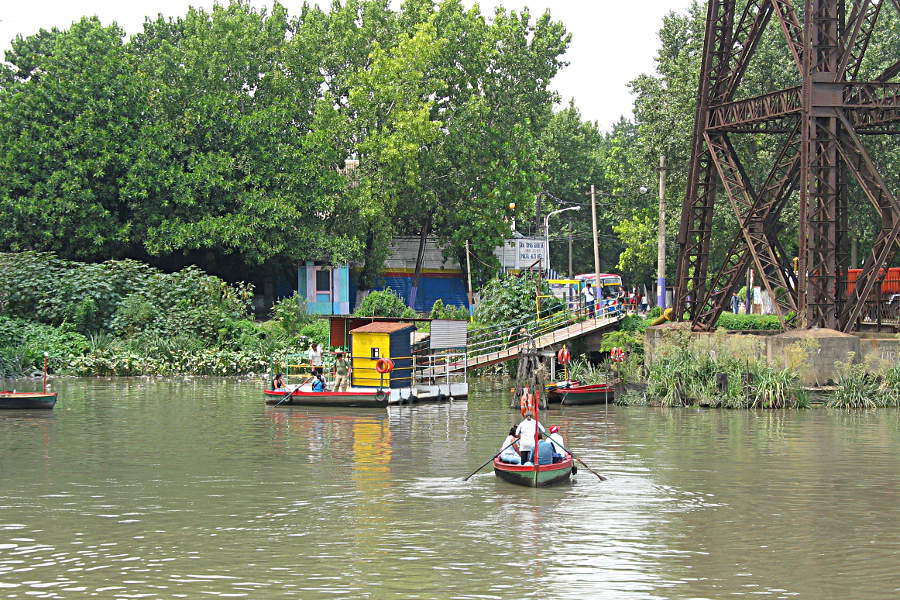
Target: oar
x,y
294,391
488,461
583,464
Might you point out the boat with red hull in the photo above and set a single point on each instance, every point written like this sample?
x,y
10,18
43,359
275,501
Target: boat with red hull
x,y
27,400
535,475
574,394
353,399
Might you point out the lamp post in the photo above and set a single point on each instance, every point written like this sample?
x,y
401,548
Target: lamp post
x,y
547,230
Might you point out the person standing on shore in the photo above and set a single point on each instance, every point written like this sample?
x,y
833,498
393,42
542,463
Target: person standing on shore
x,y
315,357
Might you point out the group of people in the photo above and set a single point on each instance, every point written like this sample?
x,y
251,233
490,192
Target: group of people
x,y
519,446
631,302
340,369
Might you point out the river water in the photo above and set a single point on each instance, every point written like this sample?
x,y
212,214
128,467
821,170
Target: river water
x,y
145,488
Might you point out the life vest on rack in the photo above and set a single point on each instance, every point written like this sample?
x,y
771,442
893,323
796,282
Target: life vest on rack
x,y
526,402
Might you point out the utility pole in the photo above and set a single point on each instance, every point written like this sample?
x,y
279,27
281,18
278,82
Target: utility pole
x,y
596,241
469,276
571,274
661,243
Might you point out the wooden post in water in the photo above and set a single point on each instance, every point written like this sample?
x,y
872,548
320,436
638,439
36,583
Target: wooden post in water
x,y
46,360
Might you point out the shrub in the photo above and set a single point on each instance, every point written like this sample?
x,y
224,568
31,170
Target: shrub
x,y
384,303
439,310
24,344
735,322
512,299
290,314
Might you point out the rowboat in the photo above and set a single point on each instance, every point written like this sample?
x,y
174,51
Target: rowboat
x,y
534,475
19,400
573,393
301,397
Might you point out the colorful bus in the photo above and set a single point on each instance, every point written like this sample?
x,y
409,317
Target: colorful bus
x,y
569,290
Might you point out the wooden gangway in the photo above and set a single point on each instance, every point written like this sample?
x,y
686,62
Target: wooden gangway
x,y
509,342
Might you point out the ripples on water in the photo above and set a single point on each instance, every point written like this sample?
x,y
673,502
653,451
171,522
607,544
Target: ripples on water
x,y
181,489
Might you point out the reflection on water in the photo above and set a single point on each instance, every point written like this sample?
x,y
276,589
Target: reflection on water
x,y
147,488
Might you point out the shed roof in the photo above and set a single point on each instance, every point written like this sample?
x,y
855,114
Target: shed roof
x,y
382,327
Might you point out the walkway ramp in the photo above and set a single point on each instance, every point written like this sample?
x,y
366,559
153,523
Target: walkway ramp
x,y
548,332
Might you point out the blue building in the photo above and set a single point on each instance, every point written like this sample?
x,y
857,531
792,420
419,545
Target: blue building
x,y
325,288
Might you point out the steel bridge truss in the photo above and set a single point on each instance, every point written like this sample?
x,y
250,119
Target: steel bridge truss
x,y
820,123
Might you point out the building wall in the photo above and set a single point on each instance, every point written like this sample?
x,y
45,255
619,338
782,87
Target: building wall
x,y
364,373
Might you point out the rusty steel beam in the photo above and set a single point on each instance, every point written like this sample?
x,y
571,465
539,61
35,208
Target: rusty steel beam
x,y
824,118
772,196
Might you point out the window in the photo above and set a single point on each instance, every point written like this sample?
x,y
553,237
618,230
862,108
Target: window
x,y
323,281
376,353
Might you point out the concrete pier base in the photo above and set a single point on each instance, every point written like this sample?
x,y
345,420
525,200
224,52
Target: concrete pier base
x,y
811,352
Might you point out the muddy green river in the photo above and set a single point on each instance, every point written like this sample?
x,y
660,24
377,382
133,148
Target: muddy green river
x,y
146,488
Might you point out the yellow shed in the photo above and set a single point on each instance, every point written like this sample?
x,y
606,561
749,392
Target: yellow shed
x,y
381,340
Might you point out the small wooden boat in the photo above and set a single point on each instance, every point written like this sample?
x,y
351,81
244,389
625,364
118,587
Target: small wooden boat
x,y
355,399
534,475
573,393
26,400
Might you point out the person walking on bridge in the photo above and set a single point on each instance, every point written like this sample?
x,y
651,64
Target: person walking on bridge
x,y
590,299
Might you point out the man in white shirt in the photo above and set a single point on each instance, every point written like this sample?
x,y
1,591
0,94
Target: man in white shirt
x,y
526,432
315,357
556,439
590,299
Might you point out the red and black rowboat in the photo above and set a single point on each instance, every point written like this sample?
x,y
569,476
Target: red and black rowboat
x,y
581,394
536,475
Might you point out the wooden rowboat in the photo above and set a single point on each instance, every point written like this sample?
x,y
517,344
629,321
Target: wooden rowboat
x,y
365,399
26,400
534,475
579,394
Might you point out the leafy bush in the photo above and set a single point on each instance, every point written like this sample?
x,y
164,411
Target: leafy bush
x,y
439,310
512,299
654,312
317,332
24,344
290,314
735,322
384,303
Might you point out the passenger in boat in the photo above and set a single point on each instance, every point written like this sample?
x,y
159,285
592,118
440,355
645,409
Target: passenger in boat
x,y
315,357
341,372
278,382
556,439
545,452
508,453
526,431
319,383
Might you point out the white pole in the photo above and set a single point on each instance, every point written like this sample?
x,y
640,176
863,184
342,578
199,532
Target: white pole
x,y
661,243
596,242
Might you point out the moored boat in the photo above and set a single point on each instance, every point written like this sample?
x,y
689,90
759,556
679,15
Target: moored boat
x,y
534,475
27,400
354,399
573,393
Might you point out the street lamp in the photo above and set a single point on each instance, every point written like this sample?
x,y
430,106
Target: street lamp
x,y
547,230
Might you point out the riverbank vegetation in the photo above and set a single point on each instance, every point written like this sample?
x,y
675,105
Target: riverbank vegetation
x,y
123,317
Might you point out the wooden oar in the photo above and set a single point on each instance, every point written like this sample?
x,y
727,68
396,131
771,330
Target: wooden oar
x,y
488,461
583,464
294,391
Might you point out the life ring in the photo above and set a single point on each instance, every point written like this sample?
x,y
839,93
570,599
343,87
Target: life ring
x,y
526,402
617,355
384,365
564,356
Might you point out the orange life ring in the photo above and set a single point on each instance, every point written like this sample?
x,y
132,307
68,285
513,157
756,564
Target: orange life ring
x,y
384,365
564,356
526,402
617,355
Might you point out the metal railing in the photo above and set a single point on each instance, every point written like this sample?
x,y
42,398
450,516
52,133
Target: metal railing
x,y
514,333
